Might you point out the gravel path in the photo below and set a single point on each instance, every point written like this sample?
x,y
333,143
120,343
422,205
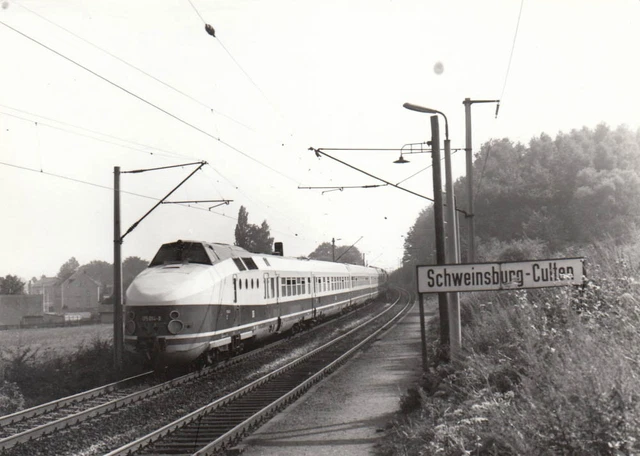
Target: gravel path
x,y
347,412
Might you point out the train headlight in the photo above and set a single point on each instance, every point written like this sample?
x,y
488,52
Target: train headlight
x,y
130,327
131,315
175,326
174,315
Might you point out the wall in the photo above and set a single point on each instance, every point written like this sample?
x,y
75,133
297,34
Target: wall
x,y
14,307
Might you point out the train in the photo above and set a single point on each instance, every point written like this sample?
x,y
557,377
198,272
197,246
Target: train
x,y
199,301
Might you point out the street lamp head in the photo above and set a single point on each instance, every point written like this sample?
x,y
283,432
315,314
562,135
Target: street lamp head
x,y
401,160
417,108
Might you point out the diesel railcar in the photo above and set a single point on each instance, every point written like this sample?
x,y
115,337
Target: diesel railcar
x,y
199,300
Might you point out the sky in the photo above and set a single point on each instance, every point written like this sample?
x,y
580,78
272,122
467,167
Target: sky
x,y
86,86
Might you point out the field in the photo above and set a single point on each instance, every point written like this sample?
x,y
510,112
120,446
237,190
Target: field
x,y
45,343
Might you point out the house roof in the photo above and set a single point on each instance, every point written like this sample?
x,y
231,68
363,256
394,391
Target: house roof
x,y
45,282
81,274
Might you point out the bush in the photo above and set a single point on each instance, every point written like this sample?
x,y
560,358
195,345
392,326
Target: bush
x,y
11,399
43,379
550,371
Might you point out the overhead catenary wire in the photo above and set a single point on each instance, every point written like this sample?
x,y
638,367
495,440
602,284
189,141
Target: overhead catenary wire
x,y
319,152
513,46
504,86
230,146
159,152
130,65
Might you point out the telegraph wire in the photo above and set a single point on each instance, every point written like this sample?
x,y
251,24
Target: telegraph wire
x,y
211,31
105,187
130,65
230,146
170,154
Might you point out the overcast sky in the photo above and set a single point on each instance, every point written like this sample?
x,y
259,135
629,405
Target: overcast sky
x,y
281,76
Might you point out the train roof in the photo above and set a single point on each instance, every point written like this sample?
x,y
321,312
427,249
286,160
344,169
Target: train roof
x,y
217,252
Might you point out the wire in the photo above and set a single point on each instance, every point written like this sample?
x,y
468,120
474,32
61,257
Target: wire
x,y
320,151
171,154
211,31
150,103
513,46
92,184
130,65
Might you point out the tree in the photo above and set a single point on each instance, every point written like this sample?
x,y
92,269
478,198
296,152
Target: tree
x,y
67,269
251,237
242,229
343,254
131,267
11,285
100,271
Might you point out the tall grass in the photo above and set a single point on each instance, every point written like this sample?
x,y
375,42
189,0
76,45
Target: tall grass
x,y
29,378
543,372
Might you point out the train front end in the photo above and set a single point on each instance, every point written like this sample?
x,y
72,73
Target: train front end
x,y
170,312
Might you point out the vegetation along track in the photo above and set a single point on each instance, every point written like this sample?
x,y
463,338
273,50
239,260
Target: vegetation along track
x,y
218,426
100,415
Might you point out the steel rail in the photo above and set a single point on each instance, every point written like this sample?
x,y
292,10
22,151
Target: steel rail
x,y
59,403
159,434
72,419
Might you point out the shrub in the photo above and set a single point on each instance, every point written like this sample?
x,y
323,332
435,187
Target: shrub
x,y
550,371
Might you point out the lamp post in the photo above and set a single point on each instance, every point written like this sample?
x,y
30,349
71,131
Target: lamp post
x,y
453,303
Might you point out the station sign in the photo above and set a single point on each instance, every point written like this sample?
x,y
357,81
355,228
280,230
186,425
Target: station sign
x,y
505,275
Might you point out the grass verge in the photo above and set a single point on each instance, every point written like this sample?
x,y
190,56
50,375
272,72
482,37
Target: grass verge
x,y
543,372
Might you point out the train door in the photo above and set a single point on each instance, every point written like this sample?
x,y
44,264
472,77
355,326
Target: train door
x,y
313,289
278,303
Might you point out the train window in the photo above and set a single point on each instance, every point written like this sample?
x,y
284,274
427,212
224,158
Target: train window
x,y
250,263
284,286
273,287
251,283
266,262
257,284
240,284
298,286
181,252
246,284
240,264
289,288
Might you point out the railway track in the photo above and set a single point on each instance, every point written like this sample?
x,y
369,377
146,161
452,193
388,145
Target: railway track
x,y
220,425
26,426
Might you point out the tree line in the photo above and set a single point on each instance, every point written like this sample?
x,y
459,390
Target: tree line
x,y
257,239
551,195
251,237
98,270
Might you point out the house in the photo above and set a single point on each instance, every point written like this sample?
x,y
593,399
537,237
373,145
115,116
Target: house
x,y
79,293
48,288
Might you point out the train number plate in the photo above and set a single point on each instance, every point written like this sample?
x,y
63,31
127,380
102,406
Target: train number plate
x,y
151,318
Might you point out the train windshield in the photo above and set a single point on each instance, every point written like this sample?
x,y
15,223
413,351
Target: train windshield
x,y
181,252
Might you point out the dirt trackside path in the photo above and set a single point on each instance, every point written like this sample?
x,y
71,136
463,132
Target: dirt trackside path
x,y
344,414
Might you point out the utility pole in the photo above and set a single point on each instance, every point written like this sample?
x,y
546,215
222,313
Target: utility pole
x,y
455,331
443,306
118,238
118,334
333,249
471,256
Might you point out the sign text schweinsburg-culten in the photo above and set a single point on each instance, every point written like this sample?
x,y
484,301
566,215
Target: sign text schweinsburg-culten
x,y
501,275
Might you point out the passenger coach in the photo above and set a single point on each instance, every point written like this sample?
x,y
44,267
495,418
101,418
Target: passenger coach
x,y
198,300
